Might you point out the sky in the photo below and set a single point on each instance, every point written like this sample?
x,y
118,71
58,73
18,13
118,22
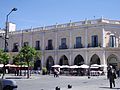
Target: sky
x,y
39,13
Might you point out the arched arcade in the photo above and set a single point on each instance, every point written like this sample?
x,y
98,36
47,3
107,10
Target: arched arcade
x,y
78,60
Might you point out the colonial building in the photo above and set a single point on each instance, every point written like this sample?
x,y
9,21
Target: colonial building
x,y
74,43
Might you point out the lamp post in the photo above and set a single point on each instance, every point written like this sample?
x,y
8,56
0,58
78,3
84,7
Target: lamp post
x,y
7,30
6,37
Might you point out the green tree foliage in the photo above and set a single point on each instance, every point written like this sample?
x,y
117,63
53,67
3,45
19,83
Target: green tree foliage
x,y
16,59
28,54
4,58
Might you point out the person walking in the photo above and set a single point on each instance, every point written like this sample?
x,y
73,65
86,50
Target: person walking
x,y
118,73
111,76
55,72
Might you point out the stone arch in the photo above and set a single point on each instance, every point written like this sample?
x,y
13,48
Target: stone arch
x,y
63,60
49,63
37,65
78,60
95,59
112,60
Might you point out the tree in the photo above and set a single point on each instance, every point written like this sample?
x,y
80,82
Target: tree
x,y
28,54
18,61
4,58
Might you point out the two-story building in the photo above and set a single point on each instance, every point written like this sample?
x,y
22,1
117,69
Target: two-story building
x,y
74,43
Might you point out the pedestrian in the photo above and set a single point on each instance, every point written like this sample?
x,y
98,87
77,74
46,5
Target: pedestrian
x,y
111,76
118,72
58,72
55,72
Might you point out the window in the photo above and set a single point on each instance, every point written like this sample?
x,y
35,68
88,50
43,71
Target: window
x,y
112,41
26,43
50,46
49,43
94,41
15,47
78,42
63,41
37,46
63,44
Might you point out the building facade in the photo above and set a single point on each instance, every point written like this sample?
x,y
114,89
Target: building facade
x,y
74,43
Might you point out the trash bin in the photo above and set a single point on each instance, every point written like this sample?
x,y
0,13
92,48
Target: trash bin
x,y
8,84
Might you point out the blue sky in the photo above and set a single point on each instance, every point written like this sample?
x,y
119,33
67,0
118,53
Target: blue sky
x,y
38,13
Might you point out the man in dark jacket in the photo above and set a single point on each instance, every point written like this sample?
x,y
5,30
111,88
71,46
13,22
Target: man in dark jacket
x,y
111,76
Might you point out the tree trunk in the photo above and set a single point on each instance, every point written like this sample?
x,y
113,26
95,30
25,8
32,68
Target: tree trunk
x,y
20,70
28,75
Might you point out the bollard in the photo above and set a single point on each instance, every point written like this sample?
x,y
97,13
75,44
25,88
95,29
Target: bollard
x,y
69,86
57,88
88,77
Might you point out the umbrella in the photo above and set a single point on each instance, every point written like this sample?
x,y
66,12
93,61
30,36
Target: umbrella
x,y
74,66
102,65
10,65
84,66
95,65
64,66
56,66
1,65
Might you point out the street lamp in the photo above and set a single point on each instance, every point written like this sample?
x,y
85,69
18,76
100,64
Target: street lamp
x,y
7,30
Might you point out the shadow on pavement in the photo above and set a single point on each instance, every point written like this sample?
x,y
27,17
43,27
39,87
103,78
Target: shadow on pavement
x,y
110,88
15,77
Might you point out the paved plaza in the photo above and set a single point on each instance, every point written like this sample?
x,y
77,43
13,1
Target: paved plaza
x,y
49,82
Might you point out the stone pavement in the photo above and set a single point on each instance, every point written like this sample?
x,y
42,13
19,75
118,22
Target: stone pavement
x,y
48,82
99,86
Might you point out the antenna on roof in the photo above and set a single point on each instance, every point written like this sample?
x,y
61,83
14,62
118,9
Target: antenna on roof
x,y
86,20
56,24
70,22
102,17
31,28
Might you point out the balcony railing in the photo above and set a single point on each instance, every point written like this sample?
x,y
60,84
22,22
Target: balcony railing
x,y
37,48
49,48
64,46
96,45
78,46
15,50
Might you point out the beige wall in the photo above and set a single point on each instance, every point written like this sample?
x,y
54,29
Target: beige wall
x,y
85,31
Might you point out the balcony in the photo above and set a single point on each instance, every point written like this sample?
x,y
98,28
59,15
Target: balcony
x,y
49,48
78,46
64,46
37,48
95,45
15,50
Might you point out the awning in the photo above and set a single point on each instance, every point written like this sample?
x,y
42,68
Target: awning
x,y
84,66
65,66
10,65
74,66
56,66
1,65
